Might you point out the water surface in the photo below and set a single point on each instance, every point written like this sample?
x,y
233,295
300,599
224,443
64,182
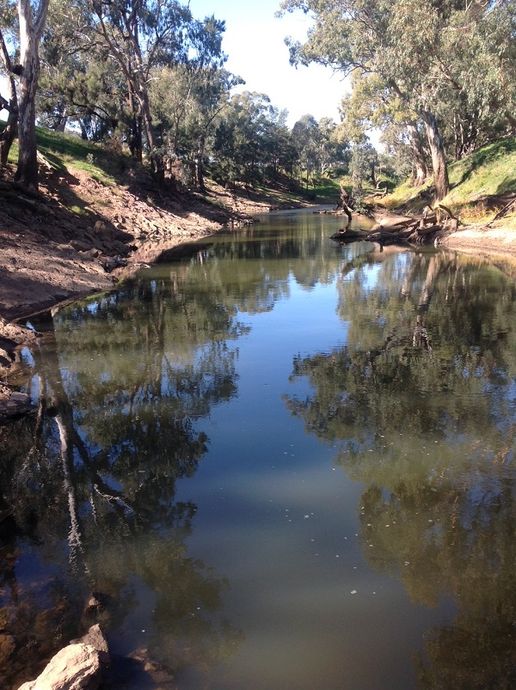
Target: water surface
x,y
280,464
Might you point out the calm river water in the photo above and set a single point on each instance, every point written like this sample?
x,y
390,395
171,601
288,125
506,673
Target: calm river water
x,y
280,464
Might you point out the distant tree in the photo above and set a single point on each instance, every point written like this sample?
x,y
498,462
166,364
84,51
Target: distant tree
x,y
364,159
247,138
306,138
319,145
187,99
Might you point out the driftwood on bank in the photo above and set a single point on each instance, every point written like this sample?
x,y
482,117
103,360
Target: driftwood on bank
x,y
426,228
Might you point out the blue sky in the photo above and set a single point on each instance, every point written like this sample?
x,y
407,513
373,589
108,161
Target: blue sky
x,y
254,42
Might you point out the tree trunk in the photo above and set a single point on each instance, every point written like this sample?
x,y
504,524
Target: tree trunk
x,y
61,123
135,133
435,142
30,33
373,175
84,131
11,127
27,172
420,170
199,167
156,158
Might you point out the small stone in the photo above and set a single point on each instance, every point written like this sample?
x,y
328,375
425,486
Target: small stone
x,y
19,397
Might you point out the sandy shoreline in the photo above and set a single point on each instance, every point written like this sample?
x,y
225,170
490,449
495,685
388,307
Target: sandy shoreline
x,y
497,241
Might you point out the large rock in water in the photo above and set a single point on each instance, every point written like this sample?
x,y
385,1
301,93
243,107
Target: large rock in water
x,y
76,667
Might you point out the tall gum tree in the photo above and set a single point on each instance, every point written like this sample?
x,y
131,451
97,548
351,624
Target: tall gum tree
x,y
10,103
141,35
31,18
370,104
399,41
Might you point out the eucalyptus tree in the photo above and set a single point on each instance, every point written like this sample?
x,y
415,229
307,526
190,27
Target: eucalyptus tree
x,y
319,145
141,35
26,28
407,44
78,84
371,105
31,24
246,142
9,103
187,99
306,135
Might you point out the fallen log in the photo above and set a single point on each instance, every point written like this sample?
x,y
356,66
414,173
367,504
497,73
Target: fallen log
x,y
386,238
347,235
428,229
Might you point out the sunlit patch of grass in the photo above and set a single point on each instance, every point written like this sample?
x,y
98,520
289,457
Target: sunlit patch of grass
x,y
488,172
78,210
67,151
406,193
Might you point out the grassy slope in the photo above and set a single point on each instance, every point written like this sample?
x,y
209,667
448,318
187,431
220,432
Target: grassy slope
x,y
64,151
477,183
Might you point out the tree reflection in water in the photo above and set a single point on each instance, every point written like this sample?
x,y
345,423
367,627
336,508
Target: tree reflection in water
x,y
421,405
89,483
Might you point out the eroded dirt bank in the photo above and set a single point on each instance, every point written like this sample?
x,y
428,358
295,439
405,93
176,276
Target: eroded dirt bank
x,y
81,236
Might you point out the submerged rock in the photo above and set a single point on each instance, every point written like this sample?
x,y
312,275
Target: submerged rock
x,y
13,403
78,666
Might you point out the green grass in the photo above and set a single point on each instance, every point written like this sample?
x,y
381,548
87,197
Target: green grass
x,y
325,190
64,151
488,172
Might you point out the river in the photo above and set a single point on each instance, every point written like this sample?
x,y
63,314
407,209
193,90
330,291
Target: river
x,y
278,464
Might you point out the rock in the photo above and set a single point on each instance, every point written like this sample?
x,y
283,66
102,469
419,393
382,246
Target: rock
x,y
5,358
13,403
93,605
111,262
100,226
80,246
95,638
75,667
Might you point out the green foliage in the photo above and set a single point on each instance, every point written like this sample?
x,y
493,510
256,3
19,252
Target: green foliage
x,y
319,146
449,64
252,141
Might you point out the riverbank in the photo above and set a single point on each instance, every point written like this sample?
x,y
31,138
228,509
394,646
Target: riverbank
x,y
56,247
499,240
85,232
82,236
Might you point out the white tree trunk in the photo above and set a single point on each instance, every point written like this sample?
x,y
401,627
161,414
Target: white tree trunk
x,y
31,28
